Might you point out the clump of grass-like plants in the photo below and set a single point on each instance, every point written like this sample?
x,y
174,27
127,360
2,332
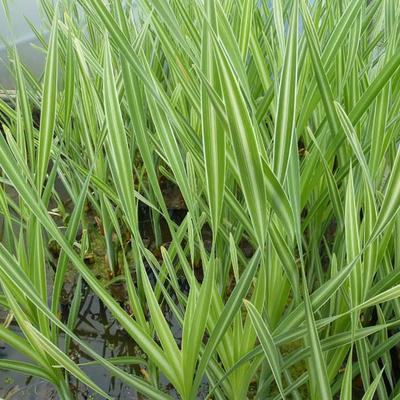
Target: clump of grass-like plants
x,y
278,124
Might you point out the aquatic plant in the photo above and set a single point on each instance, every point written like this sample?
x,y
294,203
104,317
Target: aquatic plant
x,y
278,124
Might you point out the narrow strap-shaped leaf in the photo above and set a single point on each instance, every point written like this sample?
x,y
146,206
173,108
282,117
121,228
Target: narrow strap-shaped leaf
x,y
25,109
332,184
279,25
353,247
354,142
369,394
172,353
212,129
198,321
391,202
172,150
70,235
229,311
25,368
322,80
48,107
286,257
245,26
245,144
346,392
286,109
267,343
120,160
317,364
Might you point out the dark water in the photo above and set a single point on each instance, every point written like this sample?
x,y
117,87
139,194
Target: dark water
x,y
101,332
98,329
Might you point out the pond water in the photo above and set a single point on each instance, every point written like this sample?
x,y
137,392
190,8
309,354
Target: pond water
x,y
97,328
102,333
95,324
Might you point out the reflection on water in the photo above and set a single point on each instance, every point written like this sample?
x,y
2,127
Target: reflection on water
x,y
101,332
97,328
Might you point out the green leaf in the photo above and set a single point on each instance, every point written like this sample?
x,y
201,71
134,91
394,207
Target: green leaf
x,y
117,145
267,343
391,202
245,144
369,394
48,107
317,363
346,392
212,129
286,108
